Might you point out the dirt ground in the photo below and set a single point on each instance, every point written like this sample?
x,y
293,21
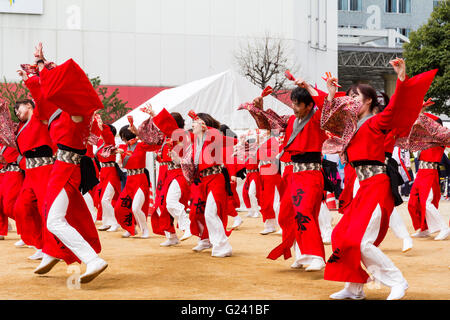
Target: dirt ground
x,y
142,269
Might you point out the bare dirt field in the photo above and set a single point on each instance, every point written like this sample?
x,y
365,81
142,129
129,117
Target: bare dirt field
x,y
142,269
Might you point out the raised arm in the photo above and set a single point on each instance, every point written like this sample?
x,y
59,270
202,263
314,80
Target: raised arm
x,y
149,133
317,95
407,102
267,119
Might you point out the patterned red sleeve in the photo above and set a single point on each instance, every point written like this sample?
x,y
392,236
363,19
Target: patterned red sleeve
x,y
7,127
150,134
425,133
187,165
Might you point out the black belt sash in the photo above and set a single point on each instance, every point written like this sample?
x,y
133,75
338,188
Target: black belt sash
x,y
88,174
395,178
226,175
392,172
39,152
314,157
307,157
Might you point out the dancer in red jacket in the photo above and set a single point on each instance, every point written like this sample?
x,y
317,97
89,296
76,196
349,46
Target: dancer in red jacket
x,y
172,191
73,236
133,203
109,188
430,138
356,237
202,165
303,143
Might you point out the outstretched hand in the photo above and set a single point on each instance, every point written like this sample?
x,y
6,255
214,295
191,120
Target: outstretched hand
x,y
133,129
300,82
428,103
331,86
399,67
23,75
147,108
38,52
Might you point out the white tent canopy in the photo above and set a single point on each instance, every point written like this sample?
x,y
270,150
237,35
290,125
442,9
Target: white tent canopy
x,y
217,95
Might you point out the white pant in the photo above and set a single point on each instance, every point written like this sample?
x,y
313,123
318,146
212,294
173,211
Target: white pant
x,y
304,258
175,208
325,222
108,217
395,223
69,236
273,223
398,226
252,196
377,263
435,222
276,203
216,230
136,208
90,204
355,187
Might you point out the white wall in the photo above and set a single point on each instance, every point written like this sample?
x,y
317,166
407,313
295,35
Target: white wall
x,y
163,42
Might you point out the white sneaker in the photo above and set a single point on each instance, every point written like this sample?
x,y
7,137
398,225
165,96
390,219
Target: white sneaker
x,y
421,234
237,222
20,244
93,269
407,244
170,242
222,255
346,294
398,291
113,228
103,228
443,234
296,265
187,234
316,265
202,246
126,234
145,234
47,264
256,214
249,214
38,255
267,231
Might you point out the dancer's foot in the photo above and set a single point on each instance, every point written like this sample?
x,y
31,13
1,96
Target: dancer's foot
x,y
93,269
47,264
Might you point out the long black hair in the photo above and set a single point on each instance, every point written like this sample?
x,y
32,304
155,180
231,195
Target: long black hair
x,y
209,120
226,131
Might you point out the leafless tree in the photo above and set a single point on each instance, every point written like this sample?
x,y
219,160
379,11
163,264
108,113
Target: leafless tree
x,y
263,61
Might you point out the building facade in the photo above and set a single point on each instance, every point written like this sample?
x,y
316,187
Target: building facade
x,y
372,32
165,43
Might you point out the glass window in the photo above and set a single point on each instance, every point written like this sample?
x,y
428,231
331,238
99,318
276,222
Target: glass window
x,y
404,6
403,31
342,4
436,3
391,5
355,5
